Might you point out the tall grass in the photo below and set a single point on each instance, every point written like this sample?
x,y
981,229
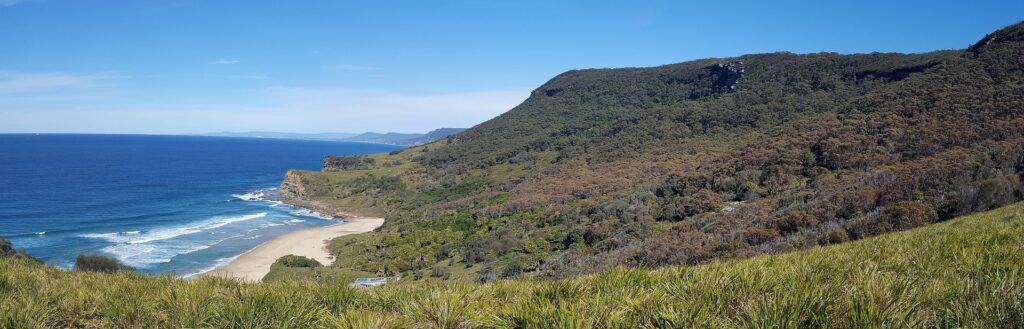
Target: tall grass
x,y
963,273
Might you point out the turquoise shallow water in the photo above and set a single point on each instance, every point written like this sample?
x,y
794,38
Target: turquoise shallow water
x,y
164,204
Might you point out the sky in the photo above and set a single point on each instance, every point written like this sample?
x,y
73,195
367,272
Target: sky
x,y
191,66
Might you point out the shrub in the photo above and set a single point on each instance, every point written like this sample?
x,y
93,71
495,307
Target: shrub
x,y
486,274
672,212
900,216
907,214
794,221
598,231
701,202
993,193
512,268
758,235
439,271
342,163
475,252
444,251
839,235
608,244
298,261
97,263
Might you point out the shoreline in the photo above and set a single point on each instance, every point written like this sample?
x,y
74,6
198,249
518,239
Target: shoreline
x,y
255,263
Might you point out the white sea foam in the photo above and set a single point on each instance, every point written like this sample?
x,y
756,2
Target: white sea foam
x,y
216,264
136,237
295,221
41,233
251,196
143,255
303,212
258,195
141,249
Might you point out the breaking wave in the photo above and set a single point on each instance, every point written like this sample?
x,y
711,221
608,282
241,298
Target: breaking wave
x,y
303,212
137,237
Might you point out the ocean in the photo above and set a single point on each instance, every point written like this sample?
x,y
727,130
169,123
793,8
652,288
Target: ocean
x,y
179,205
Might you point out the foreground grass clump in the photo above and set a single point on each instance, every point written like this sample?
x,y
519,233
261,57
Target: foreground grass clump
x,y
966,272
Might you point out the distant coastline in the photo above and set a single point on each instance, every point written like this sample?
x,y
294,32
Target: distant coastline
x,y
389,138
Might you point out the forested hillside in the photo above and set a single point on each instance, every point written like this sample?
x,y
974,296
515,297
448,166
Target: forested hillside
x,y
691,162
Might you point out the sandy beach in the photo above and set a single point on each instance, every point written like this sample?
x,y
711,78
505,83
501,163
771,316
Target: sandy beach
x,y
312,243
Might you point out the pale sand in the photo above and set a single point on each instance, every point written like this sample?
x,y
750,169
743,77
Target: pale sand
x,y
255,264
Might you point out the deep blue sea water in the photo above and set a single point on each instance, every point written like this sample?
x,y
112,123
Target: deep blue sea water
x,y
164,204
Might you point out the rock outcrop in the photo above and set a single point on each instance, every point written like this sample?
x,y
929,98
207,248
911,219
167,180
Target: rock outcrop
x,y
727,75
7,251
292,187
293,191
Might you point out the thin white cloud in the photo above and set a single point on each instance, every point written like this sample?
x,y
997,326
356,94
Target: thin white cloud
x,y
9,2
243,77
225,62
351,67
17,83
62,102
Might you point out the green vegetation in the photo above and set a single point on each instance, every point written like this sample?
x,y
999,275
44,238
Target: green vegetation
x,y
297,261
964,272
101,264
695,162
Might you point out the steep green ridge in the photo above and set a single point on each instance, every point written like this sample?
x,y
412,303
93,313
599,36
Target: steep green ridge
x,y
963,273
697,161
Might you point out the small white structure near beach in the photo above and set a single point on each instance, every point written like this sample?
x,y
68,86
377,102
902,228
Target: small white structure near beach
x,y
369,282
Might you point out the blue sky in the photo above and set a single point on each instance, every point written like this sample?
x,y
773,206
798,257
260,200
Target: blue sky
x,y
180,66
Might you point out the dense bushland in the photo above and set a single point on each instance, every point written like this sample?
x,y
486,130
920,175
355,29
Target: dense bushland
x,y
702,160
963,273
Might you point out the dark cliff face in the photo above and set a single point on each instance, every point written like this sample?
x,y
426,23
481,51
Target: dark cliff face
x,y
726,76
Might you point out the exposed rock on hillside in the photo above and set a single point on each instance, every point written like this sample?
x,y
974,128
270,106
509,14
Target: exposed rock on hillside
x,y
292,187
727,75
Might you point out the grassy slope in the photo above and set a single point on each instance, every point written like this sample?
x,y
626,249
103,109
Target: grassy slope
x,y
962,273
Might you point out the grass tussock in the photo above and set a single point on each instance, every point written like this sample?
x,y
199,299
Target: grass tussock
x,y
963,273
